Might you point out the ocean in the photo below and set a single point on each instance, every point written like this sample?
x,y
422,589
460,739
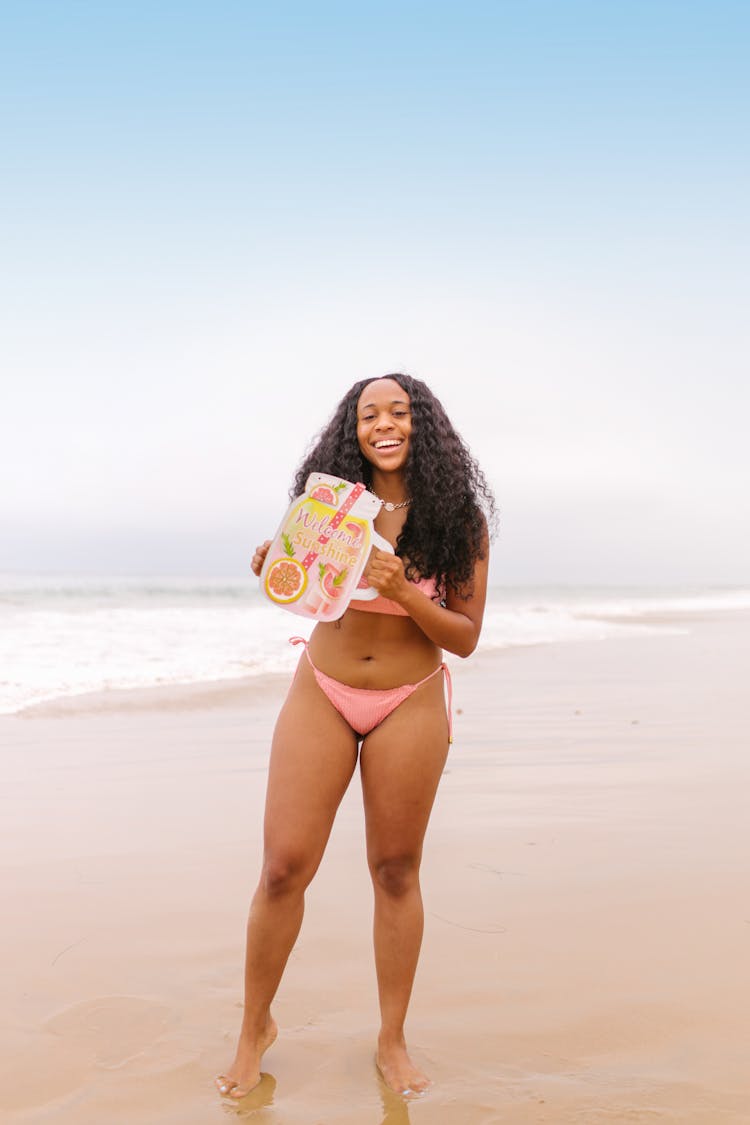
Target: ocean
x,y
62,637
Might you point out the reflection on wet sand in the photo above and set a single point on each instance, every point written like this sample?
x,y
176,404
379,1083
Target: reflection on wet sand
x,y
261,1097
395,1106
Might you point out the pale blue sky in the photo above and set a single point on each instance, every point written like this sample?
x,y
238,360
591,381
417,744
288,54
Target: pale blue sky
x,y
215,217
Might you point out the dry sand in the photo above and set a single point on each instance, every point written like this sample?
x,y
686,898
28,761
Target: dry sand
x,y
587,949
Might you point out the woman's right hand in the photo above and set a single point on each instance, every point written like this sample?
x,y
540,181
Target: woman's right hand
x,y
260,557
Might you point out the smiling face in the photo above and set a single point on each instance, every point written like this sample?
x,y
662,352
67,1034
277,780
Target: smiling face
x,y
384,424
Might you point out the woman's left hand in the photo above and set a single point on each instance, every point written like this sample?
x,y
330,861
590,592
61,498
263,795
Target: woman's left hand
x,y
385,573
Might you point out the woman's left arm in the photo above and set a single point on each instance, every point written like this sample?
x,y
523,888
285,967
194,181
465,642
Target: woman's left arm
x,y
455,626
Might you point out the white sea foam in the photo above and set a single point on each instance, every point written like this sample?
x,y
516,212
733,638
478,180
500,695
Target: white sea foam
x,y
523,616
63,638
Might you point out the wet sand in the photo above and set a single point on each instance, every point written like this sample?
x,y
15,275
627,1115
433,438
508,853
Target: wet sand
x,y
586,882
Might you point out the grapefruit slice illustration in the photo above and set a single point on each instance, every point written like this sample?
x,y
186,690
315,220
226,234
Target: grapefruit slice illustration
x,y
324,494
354,529
332,580
285,581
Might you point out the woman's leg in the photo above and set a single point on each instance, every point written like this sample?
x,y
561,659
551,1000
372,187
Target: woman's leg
x,y
402,760
313,756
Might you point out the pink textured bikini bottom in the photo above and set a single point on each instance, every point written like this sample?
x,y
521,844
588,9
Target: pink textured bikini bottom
x,y
365,708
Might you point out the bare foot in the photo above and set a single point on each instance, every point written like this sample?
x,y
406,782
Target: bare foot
x,y
398,1071
244,1073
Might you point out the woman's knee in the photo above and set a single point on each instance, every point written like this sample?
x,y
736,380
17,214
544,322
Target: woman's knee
x,y
395,875
284,873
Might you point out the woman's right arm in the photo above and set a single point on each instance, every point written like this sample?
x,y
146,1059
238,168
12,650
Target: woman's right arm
x,y
456,625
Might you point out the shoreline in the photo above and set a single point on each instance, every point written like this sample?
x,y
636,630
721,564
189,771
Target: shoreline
x,y
245,690
198,695
87,647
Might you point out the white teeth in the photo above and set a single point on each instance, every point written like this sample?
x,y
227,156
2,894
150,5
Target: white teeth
x,y
386,444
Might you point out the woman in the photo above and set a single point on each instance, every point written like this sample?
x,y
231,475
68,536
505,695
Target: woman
x,y
374,676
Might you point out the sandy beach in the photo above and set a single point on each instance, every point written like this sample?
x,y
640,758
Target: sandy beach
x,y
587,890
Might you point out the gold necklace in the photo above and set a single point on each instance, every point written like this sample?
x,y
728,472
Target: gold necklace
x,y
389,507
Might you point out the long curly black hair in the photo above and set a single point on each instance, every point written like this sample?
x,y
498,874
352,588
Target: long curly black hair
x,y
452,509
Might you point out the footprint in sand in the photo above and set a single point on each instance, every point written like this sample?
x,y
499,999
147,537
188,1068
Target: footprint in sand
x,y
111,1030
104,1034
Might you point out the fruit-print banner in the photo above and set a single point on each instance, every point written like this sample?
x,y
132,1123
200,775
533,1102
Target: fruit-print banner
x,y
315,562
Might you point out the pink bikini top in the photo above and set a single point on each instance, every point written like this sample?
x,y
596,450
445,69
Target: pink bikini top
x,y
428,586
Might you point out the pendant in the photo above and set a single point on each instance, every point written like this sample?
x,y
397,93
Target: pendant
x,y
389,506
